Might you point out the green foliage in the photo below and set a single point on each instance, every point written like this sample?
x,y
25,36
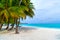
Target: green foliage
x,y
15,9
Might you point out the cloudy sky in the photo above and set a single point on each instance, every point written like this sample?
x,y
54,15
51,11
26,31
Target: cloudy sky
x,y
46,11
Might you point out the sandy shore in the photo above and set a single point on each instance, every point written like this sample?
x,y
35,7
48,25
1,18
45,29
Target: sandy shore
x,y
29,33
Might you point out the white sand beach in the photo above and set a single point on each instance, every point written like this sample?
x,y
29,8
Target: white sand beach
x,y
29,33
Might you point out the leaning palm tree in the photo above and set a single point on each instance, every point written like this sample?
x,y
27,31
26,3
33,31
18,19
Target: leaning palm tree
x,y
12,10
29,6
22,10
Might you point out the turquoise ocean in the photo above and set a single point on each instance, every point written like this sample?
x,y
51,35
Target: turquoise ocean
x,y
46,25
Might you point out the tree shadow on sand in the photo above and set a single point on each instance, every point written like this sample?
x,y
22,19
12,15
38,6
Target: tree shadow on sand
x,y
25,29
21,29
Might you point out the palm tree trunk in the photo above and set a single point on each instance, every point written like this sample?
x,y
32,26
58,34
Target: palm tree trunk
x,y
1,26
16,27
1,23
19,22
11,27
20,2
7,24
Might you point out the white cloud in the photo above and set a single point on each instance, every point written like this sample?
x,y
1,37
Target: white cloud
x,y
45,4
46,11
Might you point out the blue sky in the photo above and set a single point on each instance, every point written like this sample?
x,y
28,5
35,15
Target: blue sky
x,y
46,11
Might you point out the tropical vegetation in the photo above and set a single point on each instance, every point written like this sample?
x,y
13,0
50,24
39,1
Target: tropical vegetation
x,y
11,11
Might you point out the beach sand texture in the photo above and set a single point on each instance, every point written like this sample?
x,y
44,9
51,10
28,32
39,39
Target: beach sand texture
x,y
29,33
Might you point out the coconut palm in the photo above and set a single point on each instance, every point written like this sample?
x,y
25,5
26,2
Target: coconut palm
x,y
12,10
25,9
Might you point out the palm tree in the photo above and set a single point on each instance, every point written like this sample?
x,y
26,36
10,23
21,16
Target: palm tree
x,y
12,10
29,12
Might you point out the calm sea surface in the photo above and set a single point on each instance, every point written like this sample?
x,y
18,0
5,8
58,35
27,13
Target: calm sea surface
x,y
53,25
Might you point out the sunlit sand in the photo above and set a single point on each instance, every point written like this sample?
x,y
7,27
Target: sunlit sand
x,y
29,33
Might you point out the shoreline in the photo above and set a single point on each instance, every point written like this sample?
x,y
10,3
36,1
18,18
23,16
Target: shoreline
x,y
42,27
32,33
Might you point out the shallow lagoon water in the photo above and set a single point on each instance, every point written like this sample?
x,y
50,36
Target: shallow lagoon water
x,y
50,25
